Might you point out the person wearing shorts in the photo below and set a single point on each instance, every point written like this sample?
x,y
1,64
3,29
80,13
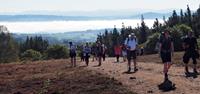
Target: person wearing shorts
x,y
124,52
166,51
72,53
99,52
87,51
104,51
191,51
131,44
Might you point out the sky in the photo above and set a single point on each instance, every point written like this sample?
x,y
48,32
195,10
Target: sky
x,y
93,5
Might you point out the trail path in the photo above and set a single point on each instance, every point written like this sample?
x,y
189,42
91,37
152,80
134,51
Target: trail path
x,y
149,76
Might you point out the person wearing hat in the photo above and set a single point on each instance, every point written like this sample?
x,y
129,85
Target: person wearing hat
x,y
166,52
131,44
191,51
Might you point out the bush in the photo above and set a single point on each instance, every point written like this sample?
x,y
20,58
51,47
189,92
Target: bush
x,y
57,52
150,44
31,55
177,35
184,29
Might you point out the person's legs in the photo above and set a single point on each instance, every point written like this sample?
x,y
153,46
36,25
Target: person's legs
x,y
134,54
72,62
117,56
87,60
165,71
99,55
135,65
124,58
93,56
75,61
164,57
104,57
194,64
129,61
99,59
186,59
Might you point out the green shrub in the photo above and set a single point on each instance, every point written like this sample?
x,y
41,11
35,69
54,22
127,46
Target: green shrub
x,y
177,35
31,55
184,29
150,44
57,52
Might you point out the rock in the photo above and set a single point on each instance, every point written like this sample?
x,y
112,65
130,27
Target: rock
x,y
17,93
150,91
132,78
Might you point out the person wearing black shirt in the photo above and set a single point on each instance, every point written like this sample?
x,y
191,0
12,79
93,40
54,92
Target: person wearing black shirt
x,y
191,51
166,51
99,52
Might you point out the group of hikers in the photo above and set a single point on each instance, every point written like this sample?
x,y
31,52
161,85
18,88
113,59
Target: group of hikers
x,y
129,51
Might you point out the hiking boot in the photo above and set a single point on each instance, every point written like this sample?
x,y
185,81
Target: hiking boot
x,y
166,77
186,70
129,69
195,71
135,69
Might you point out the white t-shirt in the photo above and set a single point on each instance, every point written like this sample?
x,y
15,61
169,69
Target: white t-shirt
x,y
131,43
73,48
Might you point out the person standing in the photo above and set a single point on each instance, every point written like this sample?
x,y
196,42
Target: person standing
x,y
87,51
191,51
117,49
124,52
104,51
94,52
82,53
166,52
131,44
99,52
72,53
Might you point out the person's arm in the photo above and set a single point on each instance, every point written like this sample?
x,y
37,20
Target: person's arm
x,y
172,47
183,45
136,44
197,47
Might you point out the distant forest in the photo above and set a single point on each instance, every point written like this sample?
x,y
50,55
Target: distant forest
x,y
178,24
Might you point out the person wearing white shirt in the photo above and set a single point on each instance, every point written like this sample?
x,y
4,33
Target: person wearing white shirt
x,y
131,44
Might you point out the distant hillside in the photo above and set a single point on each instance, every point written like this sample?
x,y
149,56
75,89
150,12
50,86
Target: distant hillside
x,y
149,15
58,38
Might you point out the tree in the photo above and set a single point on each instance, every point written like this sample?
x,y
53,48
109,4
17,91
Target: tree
x,y
189,16
36,43
157,26
8,46
182,17
143,31
173,20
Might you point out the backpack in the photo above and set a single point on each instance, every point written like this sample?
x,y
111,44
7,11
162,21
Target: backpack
x,y
129,39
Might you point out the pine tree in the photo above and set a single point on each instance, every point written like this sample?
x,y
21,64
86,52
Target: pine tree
x,y
181,16
8,46
143,31
173,20
189,16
